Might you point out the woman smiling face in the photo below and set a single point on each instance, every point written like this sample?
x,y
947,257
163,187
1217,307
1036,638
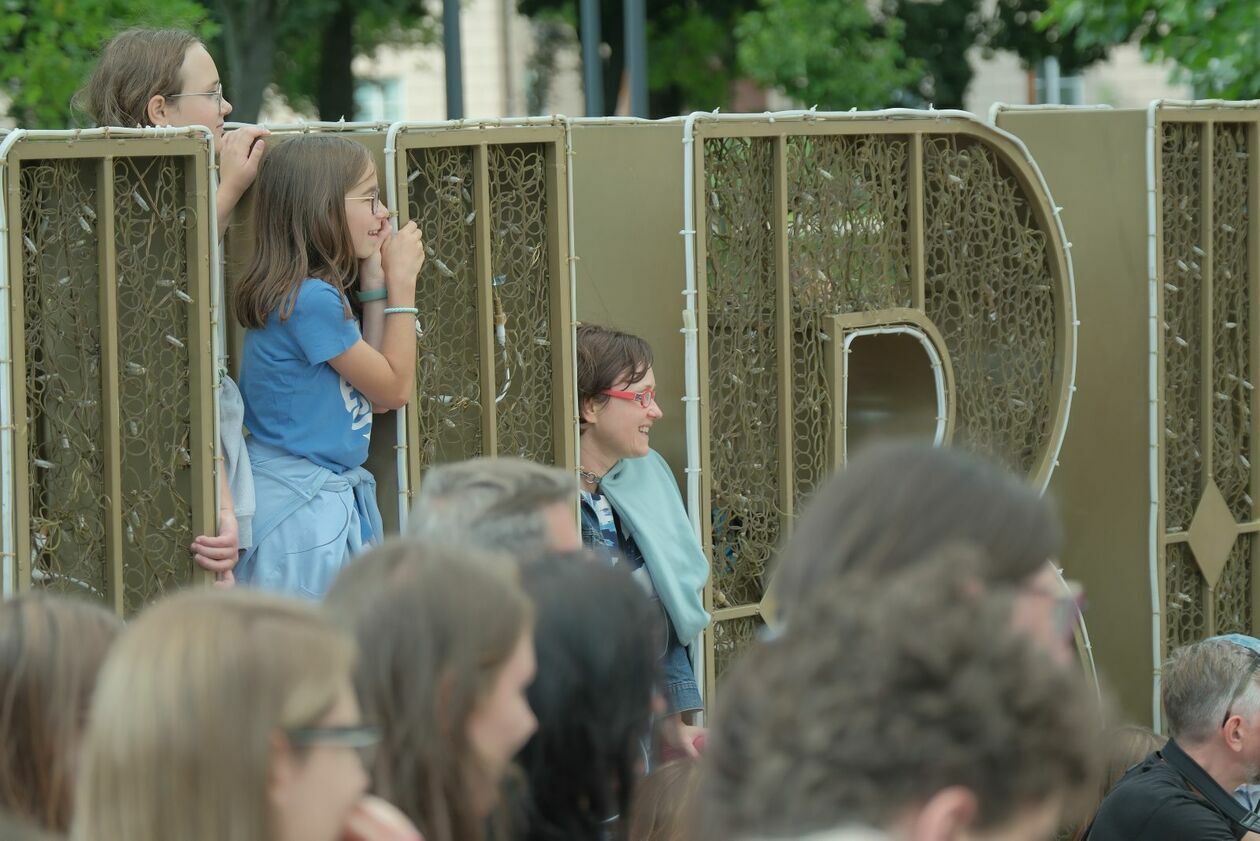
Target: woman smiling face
x,y
620,426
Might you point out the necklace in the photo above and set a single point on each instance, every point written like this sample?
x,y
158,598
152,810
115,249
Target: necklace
x,y
589,477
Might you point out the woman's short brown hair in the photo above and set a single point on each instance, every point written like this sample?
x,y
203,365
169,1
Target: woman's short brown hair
x,y
607,358
51,649
135,66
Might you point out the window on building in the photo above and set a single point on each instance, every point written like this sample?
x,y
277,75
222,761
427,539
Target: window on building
x,y
378,100
1071,89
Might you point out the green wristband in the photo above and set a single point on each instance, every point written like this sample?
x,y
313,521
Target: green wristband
x,y
372,295
402,310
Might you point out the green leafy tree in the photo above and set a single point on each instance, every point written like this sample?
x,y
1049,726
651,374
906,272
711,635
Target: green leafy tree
x,y
48,47
696,50
937,35
829,53
1023,27
1215,44
691,49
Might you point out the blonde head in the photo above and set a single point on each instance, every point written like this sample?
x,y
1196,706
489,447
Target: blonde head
x,y
187,710
136,65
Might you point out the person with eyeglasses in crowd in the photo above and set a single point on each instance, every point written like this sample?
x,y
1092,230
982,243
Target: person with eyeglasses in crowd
x,y
166,77
632,511
896,502
1211,695
229,714
897,706
316,364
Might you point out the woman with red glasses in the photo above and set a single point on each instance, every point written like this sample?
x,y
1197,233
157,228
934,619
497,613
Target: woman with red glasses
x,y
633,511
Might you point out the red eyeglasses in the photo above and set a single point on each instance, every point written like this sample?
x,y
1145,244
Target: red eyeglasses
x,y
645,398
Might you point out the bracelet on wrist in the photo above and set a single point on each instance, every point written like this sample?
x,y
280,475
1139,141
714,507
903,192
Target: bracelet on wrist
x,y
404,310
372,295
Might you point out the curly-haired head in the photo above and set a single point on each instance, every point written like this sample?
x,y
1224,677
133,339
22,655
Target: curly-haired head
x,y
885,691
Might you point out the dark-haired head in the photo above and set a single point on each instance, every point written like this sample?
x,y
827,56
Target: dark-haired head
x,y
592,697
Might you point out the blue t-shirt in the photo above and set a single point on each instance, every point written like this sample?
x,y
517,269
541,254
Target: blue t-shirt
x,y
294,399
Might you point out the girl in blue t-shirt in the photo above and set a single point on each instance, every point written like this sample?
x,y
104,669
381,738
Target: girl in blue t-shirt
x,y
311,373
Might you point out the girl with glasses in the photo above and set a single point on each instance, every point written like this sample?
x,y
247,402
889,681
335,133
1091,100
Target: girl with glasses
x,y
229,715
633,511
165,77
312,373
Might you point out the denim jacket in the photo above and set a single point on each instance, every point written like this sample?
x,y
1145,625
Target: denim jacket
x,y
679,684
310,522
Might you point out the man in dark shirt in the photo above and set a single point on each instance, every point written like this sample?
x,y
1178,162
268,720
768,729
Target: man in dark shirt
x,y
1183,792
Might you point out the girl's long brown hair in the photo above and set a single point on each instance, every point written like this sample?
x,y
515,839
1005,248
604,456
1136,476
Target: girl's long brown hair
x,y
51,649
135,66
435,627
300,224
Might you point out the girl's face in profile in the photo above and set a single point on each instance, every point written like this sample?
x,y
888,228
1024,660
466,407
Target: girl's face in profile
x,y
200,102
502,721
367,215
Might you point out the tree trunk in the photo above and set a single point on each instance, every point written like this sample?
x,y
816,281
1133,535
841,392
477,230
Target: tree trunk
x,y
249,49
334,96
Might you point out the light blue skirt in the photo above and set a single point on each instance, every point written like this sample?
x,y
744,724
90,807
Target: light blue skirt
x,y
310,522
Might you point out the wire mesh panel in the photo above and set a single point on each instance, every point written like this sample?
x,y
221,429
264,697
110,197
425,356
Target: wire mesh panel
x,y
494,368
109,249
799,221
63,413
155,305
743,349
520,269
1183,279
1207,245
449,398
848,251
992,293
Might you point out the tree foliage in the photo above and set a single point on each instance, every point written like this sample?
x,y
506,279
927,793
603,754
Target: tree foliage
x,y
936,37
691,49
1214,43
1022,27
829,53
48,47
